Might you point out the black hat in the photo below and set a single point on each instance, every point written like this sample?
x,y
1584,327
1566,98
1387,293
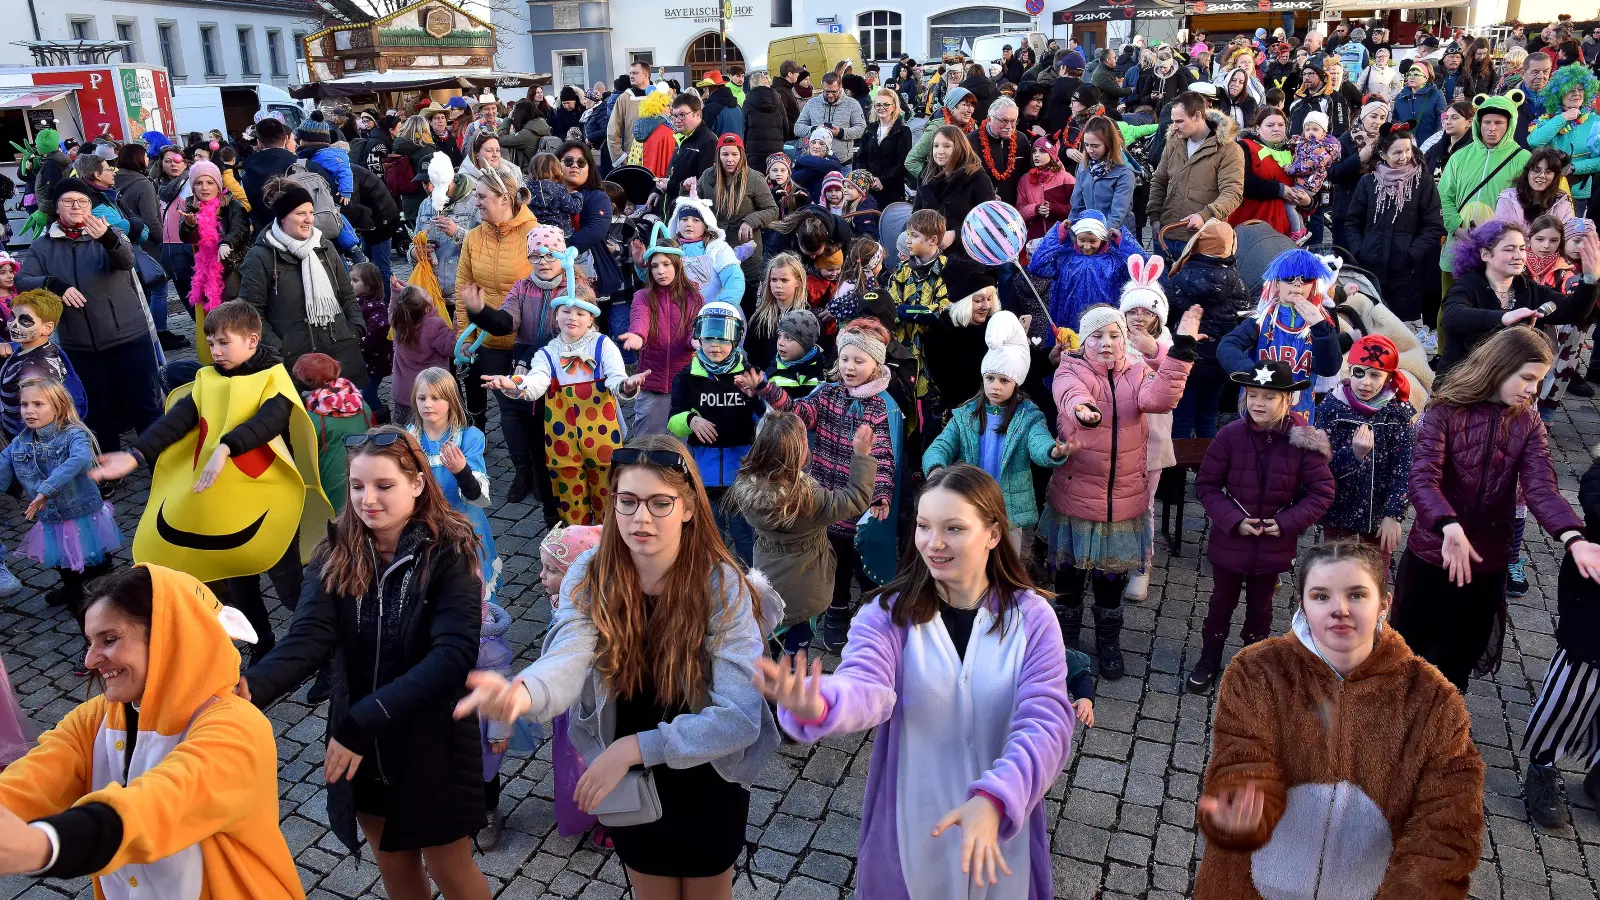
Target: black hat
x,y
72,185
1088,95
1314,64
1273,375
293,197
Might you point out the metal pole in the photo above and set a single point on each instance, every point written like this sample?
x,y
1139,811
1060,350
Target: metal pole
x,y
722,20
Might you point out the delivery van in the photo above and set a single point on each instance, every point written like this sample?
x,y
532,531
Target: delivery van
x,y
987,49
817,53
231,108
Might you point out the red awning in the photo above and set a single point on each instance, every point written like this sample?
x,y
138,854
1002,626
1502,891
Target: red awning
x,y
30,99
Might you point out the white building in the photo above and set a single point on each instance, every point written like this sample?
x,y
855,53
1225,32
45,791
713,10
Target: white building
x,y
197,41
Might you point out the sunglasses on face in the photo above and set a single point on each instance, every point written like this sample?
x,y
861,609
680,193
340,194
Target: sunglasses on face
x,y
660,459
574,162
1297,280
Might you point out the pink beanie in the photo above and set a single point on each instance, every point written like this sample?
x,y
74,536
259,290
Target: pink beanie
x,y
567,543
205,167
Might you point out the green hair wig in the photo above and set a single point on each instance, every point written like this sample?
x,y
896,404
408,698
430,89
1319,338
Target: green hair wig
x,y
1565,79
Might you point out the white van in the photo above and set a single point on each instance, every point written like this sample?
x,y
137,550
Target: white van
x,y
231,108
987,49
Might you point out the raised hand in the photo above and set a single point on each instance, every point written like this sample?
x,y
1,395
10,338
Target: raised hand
x,y
1086,415
111,466
452,457
1361,442
96,227
861,441
1519,315
633,383
788,685
879,510
499,383
23,848
1190,323
493,697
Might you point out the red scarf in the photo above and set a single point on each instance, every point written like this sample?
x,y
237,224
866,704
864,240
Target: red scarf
x,y
1545,268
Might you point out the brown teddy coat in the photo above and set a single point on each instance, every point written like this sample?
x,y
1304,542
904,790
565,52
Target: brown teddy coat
x,y
1385,755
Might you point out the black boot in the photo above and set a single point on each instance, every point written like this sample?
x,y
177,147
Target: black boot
x,y
835,628
1108,641
1069,613
520,487
1206,668
1580,387
1541,794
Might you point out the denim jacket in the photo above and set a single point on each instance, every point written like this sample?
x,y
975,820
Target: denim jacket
x,y
53,461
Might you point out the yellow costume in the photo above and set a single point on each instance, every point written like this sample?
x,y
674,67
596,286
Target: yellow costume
x,y
199,803
243,523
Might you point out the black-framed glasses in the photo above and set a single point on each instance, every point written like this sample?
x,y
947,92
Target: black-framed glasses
x,y
376,439
660,459
659,504
574,162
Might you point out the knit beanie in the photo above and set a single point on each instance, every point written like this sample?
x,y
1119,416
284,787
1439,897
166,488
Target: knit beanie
x,y
293,197
832,180
71,185
1088,95
779,159
313,131
1575,227
868,335
1143,288
1370,107
830,258
862,179
1319,118
1008,347
957,96
1099,316
205,167
821,134
1072,60
802,326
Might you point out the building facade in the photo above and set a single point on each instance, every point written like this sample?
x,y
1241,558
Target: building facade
x,y
197,41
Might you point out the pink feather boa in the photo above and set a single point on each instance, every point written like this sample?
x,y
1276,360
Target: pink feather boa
x,y
206,289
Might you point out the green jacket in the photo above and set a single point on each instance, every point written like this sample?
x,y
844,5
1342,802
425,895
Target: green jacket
x,y
331,453
1467,169
918,160
1028,439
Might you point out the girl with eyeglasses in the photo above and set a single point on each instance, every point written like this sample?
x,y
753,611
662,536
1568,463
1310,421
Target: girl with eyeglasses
x,y
659,672
396,592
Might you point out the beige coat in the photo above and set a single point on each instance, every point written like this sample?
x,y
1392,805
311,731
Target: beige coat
x,y
1210,183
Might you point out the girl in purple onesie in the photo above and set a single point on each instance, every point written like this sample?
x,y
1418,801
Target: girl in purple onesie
x,y
965,664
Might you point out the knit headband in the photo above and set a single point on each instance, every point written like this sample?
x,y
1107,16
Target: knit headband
x,y
867,343
1098,317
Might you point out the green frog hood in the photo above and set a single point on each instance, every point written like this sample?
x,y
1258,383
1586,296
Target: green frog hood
x,y
1476,174
1507,104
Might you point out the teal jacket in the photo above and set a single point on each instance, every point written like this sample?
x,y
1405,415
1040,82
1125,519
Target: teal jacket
x,y
1028,440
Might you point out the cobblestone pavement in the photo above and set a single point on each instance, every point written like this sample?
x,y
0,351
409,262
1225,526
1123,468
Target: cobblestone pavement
x,y
1122,813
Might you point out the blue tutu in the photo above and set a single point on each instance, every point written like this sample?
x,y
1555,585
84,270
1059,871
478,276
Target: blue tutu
x,y
85,541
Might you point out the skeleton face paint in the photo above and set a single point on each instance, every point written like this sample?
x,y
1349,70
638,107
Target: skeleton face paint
x,y
24,326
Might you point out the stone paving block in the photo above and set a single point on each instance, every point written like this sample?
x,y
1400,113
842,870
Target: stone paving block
x,y
804,888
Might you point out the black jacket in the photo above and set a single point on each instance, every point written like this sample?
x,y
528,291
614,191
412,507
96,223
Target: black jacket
x,y
986,92
1284,76
1440,152
791,104
1578,598
269,421
716,102
954,196
369,151
1472,312
431,763
696,153
1012,71
1214,283
1058,109
372,211
269,280
563,119
1397,245
766,126
255,172
1023,154
886,159
1335,105
1343,176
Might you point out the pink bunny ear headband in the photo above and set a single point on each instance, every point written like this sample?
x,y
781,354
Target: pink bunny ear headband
x,y
1145,272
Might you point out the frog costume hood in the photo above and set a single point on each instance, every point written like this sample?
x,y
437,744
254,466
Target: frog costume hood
x,y
189,772
244,522
1476,174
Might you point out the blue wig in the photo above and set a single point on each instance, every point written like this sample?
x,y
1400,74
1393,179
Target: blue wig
x,y
1297,263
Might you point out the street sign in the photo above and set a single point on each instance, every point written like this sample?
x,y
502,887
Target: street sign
x,y
1034,7
836,28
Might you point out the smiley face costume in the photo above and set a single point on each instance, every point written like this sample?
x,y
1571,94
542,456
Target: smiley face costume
x,y
247,519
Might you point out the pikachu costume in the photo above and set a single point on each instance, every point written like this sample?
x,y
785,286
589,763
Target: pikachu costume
x,y
244,522
197,796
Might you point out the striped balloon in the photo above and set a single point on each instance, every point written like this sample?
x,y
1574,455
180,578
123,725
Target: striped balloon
x,y
994,233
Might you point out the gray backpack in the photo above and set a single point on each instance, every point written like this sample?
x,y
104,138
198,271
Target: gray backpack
x,y
327,211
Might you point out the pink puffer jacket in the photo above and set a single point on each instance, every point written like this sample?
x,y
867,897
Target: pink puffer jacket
x,y
1104,480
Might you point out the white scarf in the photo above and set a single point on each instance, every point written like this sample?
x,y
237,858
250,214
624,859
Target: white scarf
x,y
322,303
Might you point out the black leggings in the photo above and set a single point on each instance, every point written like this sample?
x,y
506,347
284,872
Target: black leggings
x,y
73,583
1447,625
244,594
847,567
1108,587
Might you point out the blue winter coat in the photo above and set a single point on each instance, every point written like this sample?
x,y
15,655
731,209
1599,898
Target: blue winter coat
x,y
1028,442
1366,491
1111,195
1424,107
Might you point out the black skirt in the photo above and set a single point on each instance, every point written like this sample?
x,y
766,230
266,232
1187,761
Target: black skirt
x,y
703,816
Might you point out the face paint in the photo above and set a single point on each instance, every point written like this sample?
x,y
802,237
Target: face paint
x,y
243,522
24,326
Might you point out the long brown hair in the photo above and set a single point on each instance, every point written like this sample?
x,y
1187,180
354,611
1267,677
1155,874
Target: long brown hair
x,y
1478,377
772,478
665,638
729,189
349,563
679,295
961,157
1110,136
407,311
912,598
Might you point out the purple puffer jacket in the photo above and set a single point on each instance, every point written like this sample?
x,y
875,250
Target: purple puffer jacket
x,y
1252,473
1466,467
662,355
1104,480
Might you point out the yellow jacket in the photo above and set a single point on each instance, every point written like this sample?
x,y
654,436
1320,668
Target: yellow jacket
x,y
231,182
199,801
495,257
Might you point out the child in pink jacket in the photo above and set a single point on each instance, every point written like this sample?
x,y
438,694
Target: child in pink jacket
x,y
1044,195
1096,520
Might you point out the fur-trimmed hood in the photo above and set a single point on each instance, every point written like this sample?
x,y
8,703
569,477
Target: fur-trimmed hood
x,y
1308,437
1222,125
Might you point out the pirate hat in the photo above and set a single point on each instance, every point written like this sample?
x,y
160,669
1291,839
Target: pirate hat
x,y
1273,375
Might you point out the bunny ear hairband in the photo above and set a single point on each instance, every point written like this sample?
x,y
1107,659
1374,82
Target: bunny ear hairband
x,y
1145,272
658,232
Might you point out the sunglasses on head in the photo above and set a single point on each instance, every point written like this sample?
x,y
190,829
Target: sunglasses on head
x,y
376,439
660,459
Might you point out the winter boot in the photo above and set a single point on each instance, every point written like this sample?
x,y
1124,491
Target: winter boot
x,y
835,628
1108,641
520,488
1580,387
1541,793
1070,614
1204,674
489,838
1138,587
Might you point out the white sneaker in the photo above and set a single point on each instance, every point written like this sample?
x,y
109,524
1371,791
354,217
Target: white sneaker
x,y
1138,588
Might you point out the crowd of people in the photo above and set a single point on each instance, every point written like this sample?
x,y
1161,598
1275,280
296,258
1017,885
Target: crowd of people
x,y
889,370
